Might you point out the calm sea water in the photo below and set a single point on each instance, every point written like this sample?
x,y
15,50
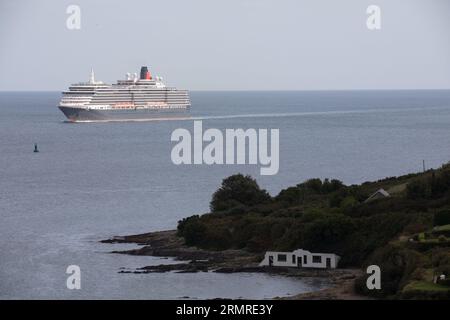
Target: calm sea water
x,y
92,181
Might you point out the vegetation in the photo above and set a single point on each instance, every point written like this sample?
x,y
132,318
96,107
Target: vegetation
x,y
425,290
238,191
442,218
406,234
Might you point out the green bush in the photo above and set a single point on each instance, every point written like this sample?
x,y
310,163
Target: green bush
x,y
312,214
425,290
397,264
192,230
348,204
440,182
218,238
331,186
430,187
291,195
440,259
445,282
442,217
418,189
330,230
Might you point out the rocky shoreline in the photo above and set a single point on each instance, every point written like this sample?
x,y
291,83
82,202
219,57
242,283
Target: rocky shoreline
x,y
168,244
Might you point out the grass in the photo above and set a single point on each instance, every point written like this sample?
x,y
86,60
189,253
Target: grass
x,y
400,188
425,286
428,274
430,241
423,238
442,228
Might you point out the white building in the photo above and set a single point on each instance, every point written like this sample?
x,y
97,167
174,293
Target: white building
x,y
301,259
379,194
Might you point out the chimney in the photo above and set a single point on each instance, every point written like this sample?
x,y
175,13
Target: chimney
x,y
145,74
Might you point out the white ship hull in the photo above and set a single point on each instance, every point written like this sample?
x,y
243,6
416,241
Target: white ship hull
x,y
85,115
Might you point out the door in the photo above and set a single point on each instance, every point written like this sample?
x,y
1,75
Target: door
x,y
299,261
328,262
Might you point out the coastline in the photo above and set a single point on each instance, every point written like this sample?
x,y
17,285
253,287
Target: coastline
x,y
192,259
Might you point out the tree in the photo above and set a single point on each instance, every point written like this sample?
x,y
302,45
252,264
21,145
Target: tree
x,y
331,186
238,190
291,195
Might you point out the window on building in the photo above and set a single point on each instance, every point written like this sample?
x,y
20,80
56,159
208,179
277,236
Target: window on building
x,y
293,259
282,257
317,259
305,259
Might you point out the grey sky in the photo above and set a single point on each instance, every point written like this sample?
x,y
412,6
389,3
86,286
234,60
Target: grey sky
x,y
228,45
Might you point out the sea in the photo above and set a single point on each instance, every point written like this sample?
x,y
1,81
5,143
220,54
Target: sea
x,y
93,181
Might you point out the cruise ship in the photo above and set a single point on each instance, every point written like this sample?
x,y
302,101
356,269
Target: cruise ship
x,y
133,99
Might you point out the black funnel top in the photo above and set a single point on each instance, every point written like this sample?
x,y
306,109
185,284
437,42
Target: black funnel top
x,y
144,71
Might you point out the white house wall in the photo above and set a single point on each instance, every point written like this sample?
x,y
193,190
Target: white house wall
x,y
287,263
300,253
334,259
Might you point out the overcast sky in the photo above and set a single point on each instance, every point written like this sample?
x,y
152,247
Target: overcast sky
x,y
228,45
